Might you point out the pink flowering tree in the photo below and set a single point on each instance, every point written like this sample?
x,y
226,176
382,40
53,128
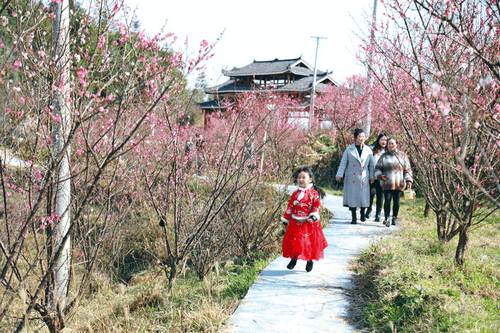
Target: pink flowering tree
x,y
345,107
212,200
117,81
438,63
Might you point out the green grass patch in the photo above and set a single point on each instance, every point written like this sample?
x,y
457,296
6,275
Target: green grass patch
x,y
414,285
243,276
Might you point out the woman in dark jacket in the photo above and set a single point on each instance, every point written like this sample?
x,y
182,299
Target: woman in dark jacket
x,y
394,172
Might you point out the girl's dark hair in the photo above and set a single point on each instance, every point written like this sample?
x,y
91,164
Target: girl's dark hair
x,y
307,169
376,146
393,138
357,132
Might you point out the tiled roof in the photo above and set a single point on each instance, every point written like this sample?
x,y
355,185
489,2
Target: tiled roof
x,y
214,105
227,87
305,84
271,67
302,85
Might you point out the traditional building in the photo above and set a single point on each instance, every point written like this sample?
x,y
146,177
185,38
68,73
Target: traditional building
x,y
293,77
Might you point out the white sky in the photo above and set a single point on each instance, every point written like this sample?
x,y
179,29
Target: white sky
x,y
263,30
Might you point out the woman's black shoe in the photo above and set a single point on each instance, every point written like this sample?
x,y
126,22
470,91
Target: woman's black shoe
x,y
309,266
353,213
363,217
368,212
292,263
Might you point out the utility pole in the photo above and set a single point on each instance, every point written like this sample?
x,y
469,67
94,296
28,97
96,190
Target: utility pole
x,y
61,131
313,92
367,123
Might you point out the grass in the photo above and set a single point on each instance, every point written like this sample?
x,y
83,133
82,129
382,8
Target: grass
x,y
338,192
413,285
193,305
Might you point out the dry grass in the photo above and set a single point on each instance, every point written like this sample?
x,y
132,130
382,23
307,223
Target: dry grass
x,y
146,304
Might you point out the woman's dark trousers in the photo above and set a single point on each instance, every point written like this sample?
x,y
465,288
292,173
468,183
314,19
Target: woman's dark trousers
x,y
376,189
389,196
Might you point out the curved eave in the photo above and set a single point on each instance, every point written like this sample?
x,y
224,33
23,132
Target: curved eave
x,y
299,71
214,105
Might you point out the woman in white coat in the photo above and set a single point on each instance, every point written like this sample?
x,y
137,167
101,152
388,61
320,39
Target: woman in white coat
x,y
357,169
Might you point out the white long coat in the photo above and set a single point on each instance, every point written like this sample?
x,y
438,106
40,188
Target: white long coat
x,y
358,171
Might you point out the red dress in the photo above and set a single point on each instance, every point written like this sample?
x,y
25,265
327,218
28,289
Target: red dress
x,y
304,240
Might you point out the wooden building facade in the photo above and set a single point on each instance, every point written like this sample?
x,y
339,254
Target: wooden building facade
x,y
293,77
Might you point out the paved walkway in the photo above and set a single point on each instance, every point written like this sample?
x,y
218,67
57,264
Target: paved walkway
x,y
283,300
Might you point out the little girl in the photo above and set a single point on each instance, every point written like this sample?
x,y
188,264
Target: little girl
x,y
304,237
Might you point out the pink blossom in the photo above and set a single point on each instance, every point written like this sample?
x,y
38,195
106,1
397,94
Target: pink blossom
x,y
14,14
16,65
82,74
102,40
435,89
57,1
459,167
8,194
486,81
54,118
21,100
41,54
5,21
445,108
42,226
1,45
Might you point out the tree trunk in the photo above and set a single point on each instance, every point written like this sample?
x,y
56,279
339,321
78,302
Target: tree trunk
x,y
441,217
427,209
462,243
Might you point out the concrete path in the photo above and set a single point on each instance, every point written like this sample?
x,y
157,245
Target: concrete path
x,y
283,300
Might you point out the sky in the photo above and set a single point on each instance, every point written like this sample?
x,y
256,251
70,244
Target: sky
x,y
263,30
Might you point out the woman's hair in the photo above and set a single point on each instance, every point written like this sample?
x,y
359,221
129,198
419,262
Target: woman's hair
x,y
357,132
393,138
377,147
307,169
